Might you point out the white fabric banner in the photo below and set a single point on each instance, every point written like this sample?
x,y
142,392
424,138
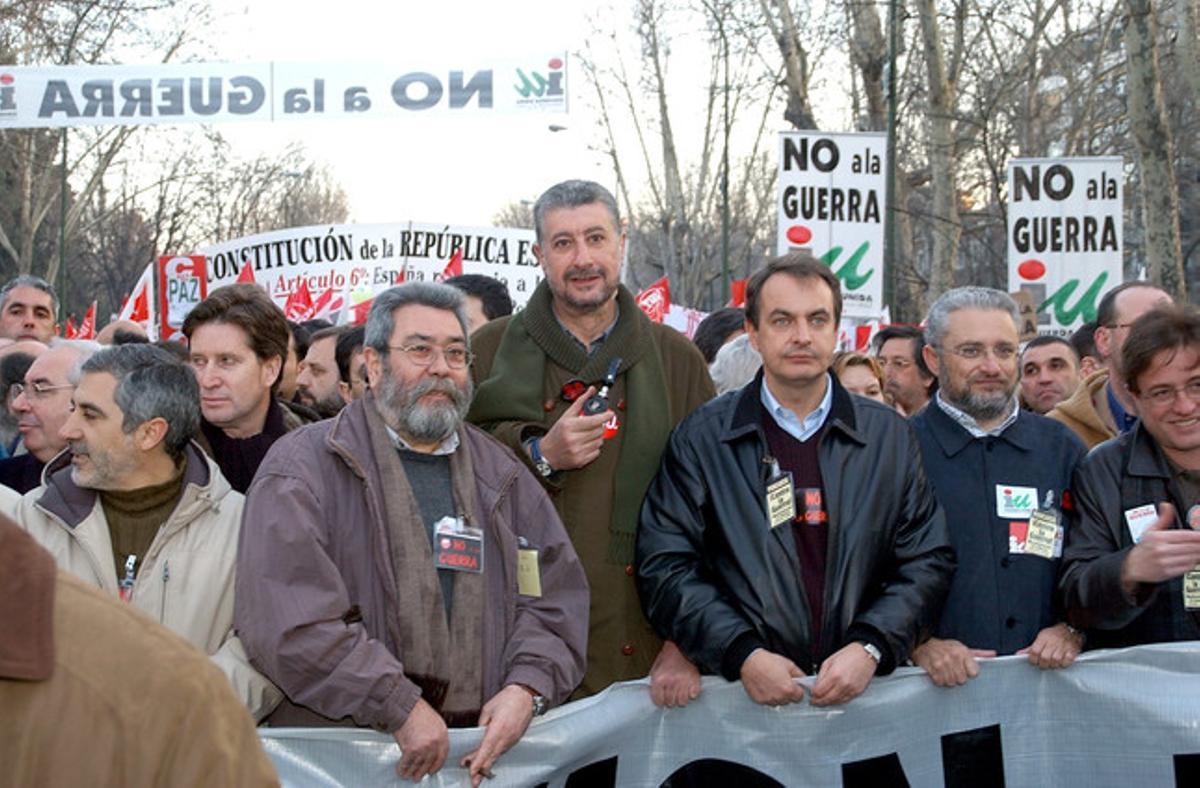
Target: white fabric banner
x,y
358,260
1065,245
1119,718
134,95
832,201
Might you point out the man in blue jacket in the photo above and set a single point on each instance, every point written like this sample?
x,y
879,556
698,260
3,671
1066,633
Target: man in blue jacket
x,y
1001,474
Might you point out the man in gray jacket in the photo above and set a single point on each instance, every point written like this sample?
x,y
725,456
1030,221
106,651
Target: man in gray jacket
x,y
401,570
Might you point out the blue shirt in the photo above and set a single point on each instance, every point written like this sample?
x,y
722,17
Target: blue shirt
x,y
789,422
1121,417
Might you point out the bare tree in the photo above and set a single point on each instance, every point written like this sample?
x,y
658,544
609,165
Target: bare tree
x,y
1156,149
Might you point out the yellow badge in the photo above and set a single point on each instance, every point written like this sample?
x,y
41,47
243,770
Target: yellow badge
x,y
781,500
1191,589
1043,533
529,576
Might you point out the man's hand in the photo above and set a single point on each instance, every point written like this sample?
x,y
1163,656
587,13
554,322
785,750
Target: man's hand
x,y
1054,647
768,678
575,440
424,743
674,680
843,676
1162,554
505,718
948,662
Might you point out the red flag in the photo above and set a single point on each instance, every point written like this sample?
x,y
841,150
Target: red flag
x,y
327,306
246,275
360,311
70,330
454,267
299,303
87,329
655,300
737,293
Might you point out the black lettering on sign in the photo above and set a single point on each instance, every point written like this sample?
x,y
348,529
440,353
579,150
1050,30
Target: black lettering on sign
x,y
1187,770
716,773
973,759
601,774
884,770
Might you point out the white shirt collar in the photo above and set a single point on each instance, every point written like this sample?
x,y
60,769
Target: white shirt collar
x,y
968,423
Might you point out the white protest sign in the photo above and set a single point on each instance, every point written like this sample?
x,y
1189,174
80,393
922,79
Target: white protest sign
x,y
1065,246
832,201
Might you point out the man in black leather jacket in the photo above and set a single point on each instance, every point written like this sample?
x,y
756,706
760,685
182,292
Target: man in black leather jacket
x,y
1131,565
790,527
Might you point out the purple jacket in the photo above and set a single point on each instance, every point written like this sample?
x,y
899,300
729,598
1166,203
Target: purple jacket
x,y
316,598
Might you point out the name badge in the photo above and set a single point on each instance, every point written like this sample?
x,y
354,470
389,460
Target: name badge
x,y
1139,519
529,573
781,500
1015,503
457,546
1191,589
1043,537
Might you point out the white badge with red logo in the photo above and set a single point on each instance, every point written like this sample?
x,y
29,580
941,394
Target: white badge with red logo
x,y
1139,519
611,426
1015,503
457,546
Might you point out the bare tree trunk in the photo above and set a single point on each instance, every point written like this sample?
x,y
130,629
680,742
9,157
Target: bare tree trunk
x,y
946,226
1189,57
868,50
1156,150
795,62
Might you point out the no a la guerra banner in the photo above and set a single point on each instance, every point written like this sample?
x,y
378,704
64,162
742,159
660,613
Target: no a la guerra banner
x,y
134,95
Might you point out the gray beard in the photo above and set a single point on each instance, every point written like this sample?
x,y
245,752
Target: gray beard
x,y
982,407
402,410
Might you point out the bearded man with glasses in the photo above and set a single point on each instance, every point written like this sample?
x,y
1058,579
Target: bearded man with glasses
x,y
1002,474
1131,570
402,570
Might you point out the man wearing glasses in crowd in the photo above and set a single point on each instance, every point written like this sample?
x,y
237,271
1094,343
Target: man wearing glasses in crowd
x,y
400,569
1102,407
1131,568
41,405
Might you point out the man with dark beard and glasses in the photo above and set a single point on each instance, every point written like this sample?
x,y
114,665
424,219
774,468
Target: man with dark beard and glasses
x,y
1001,474
400,569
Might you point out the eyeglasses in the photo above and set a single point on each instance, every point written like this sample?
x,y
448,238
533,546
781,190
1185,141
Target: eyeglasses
x,y
974,352
35,391
456,356
1162,396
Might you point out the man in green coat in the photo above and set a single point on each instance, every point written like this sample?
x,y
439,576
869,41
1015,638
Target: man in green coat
x,y
535,373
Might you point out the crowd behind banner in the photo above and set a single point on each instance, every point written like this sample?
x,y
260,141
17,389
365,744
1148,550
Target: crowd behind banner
x,y
451,516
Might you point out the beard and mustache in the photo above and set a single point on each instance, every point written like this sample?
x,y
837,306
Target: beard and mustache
x,y
423,422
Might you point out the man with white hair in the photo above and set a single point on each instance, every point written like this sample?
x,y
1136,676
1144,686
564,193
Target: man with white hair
x,y
41,404
1001,473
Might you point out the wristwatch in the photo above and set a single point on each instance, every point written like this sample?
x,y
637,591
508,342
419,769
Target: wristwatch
x,y
540,704
539,462
872,651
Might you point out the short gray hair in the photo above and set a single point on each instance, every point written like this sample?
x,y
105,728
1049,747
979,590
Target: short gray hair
x,y
151,383
736,364
29,280
572,194
381,320
966,298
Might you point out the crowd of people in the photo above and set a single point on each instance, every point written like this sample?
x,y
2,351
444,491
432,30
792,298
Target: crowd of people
x,y
461,515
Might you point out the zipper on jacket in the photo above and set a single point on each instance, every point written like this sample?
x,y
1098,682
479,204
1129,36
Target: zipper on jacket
x,y
126,584
162,598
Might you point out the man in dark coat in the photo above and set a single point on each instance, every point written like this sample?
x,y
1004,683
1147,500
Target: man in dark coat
x,y
1001,474
790,528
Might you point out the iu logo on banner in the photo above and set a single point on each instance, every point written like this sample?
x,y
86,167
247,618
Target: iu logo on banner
x,y
655,300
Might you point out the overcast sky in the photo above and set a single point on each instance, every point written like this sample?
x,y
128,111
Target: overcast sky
x,y
447,168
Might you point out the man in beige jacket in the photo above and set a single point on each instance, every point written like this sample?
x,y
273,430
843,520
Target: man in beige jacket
x,y
135,508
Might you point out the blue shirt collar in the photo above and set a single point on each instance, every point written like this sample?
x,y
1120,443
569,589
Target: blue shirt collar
x,y
1124,422
789,422
598,341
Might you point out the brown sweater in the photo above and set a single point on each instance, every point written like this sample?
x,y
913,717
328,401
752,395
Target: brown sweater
x,y
1079,411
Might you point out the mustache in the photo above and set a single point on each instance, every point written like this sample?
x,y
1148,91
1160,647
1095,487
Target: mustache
x,y
78,448
585,273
